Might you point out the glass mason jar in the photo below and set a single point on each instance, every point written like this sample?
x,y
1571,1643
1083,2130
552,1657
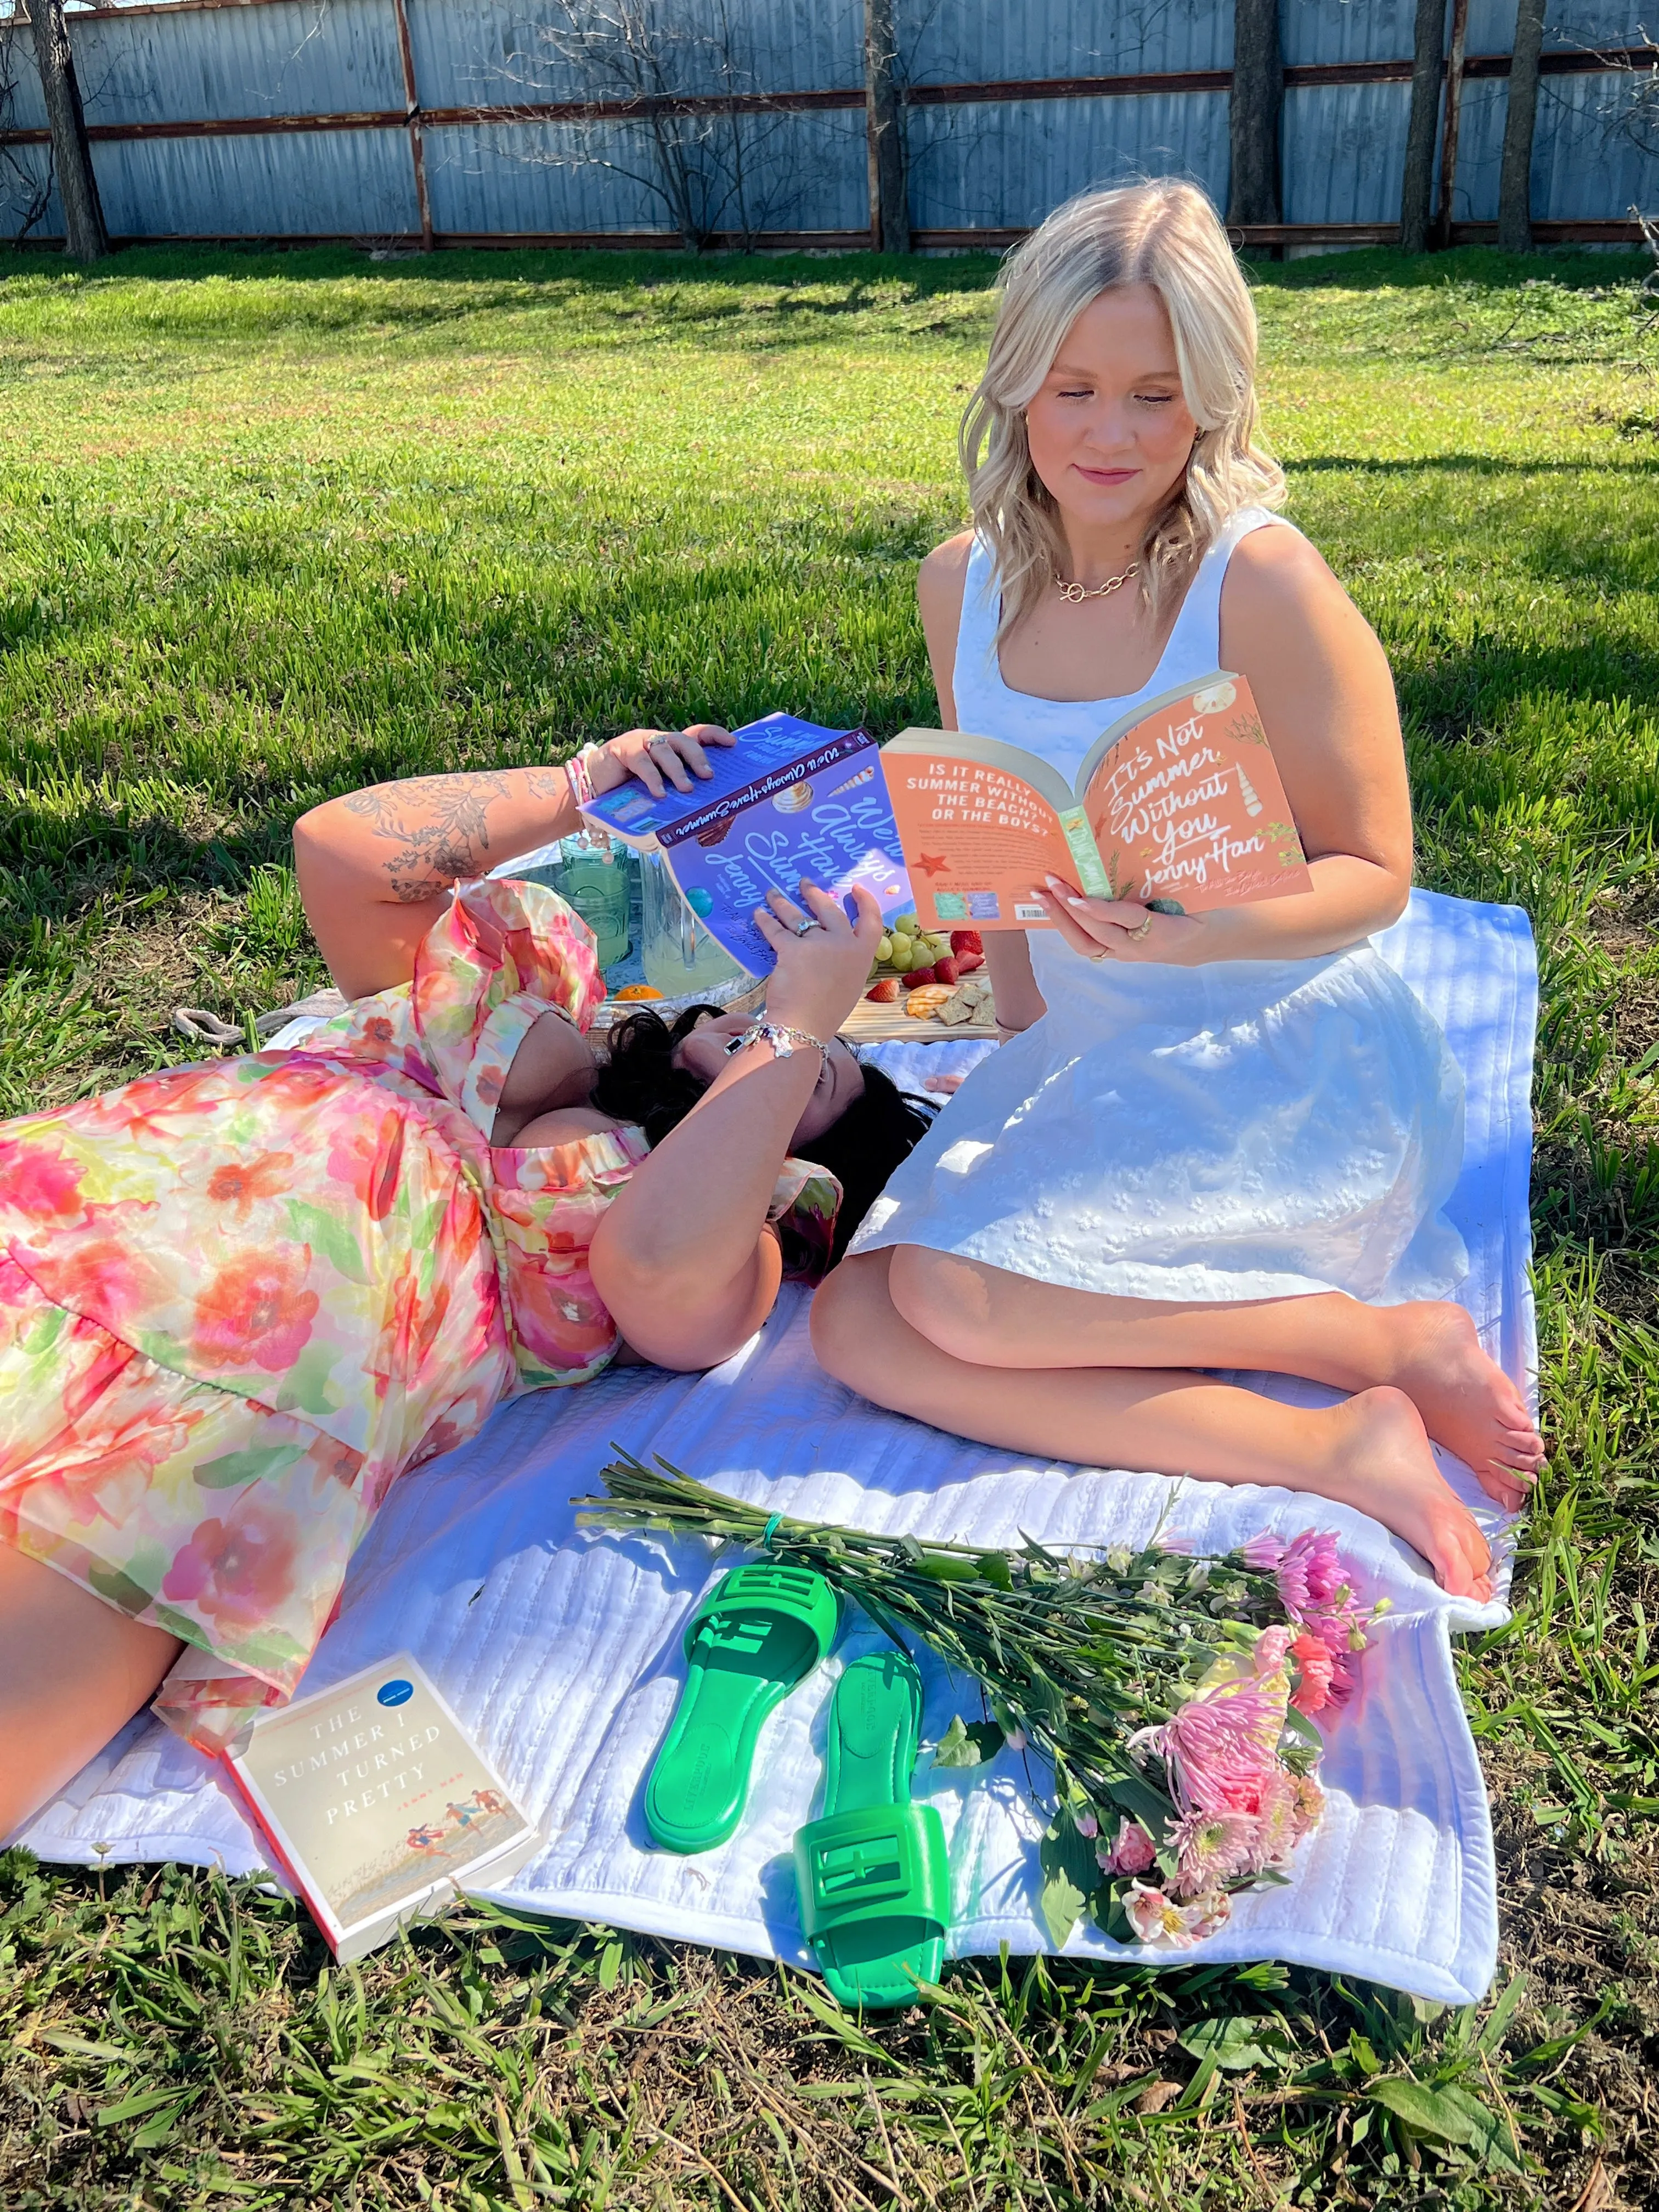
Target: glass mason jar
x,y
679,957
590,875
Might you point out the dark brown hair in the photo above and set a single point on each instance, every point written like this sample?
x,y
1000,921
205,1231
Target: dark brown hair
x,y
638,1082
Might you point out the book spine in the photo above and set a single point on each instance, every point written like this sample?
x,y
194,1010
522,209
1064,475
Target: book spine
x,y
1091,876
327,1926
841,747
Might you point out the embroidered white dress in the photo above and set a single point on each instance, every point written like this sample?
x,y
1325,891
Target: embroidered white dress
x,y
1246,1129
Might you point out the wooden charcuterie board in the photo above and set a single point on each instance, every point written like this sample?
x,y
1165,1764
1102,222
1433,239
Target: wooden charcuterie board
x,y
870,1023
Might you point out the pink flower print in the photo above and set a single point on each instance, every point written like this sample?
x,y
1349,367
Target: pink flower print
x,y
239,1185
38,1180
1312,1693
1214,1847
100,1279
255,1312
237,1572
367,1156
1132,1853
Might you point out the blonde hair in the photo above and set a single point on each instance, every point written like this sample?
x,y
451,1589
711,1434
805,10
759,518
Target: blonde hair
x,y
1167,236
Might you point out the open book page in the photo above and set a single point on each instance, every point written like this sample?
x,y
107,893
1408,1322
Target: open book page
x,y
1186,803
981,822
789,800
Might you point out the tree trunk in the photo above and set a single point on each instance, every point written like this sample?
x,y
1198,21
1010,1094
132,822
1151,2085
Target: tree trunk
x,y
1258,93
1460,30
1428,51
890,203
1514,181
84,236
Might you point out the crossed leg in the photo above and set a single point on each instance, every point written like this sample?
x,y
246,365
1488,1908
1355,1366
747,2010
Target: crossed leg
x,y
73,1671
1429,1349
1371,1452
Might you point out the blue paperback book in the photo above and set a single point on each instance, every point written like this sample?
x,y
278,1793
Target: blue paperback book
x,y
788,800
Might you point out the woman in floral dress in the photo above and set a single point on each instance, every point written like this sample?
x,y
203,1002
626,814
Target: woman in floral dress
x,y
239,1298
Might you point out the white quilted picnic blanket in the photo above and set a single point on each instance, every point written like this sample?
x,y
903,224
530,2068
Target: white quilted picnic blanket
x,y
562,1650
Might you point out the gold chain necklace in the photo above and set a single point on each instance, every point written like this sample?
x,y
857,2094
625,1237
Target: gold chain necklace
x,y
1075,592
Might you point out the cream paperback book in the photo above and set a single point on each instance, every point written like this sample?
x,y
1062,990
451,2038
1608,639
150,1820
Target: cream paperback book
x,y
378,1805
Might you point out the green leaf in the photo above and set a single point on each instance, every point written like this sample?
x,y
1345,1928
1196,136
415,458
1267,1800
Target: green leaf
x,y
963,1746
1501,2015
1450,2115
232,1469
144,2100
1141,1801
1071,1873
1236,2043
330,1235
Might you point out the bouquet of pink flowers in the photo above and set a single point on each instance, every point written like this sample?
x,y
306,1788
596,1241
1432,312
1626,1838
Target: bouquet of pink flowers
x,y
1172,1694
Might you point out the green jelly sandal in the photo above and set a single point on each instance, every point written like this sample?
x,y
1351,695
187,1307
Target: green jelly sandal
x,y
872,1873
761,1630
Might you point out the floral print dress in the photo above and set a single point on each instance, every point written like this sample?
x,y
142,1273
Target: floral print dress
x,y
238,1299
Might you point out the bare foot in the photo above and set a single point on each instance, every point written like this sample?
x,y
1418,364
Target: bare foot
x,y
1468,1402
1382,1464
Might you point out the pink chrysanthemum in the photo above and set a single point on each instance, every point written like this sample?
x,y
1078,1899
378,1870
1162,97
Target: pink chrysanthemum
x,y
1214,1847
1263,1553
1310,1572
1221,1751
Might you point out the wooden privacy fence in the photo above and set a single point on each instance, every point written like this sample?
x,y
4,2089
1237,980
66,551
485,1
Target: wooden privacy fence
x,y
629,122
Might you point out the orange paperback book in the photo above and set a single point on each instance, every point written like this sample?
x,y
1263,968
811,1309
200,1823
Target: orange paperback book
x,y
1179,802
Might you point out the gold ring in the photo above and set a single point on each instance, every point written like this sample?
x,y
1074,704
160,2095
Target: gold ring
x,y
1134,936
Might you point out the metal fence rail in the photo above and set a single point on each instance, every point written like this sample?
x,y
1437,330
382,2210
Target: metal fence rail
x,y
474,121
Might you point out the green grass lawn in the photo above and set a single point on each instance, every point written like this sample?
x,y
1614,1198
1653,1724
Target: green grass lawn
x,y
271,526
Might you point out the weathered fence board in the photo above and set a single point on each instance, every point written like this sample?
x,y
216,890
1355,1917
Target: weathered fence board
x,y
293,117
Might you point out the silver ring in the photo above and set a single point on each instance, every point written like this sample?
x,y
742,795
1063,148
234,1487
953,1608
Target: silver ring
x,y
653,743
801,927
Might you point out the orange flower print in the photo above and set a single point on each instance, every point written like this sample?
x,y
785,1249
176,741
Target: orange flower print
x,y
255,1312
239,1185
237,1572
103,1278
37,1179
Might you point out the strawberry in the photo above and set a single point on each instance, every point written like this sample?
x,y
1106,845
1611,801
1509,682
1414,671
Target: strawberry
x,y
967,962
918,976
885,992
945,970
966,940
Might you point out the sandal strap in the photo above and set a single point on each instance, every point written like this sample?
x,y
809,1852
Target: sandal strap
x,y
767,1586
881,1862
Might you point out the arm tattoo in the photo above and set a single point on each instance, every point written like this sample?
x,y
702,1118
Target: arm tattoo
x,y
437,825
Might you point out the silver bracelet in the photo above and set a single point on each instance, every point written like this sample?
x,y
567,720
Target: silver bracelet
x,y
782,1039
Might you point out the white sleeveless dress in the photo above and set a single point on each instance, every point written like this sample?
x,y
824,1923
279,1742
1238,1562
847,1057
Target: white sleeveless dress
x,y
1246,1129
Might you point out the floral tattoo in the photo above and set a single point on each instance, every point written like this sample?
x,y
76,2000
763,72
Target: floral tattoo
x,y
438,826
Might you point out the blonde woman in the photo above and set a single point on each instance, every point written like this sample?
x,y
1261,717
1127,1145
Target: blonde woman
x,y
1208,1141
